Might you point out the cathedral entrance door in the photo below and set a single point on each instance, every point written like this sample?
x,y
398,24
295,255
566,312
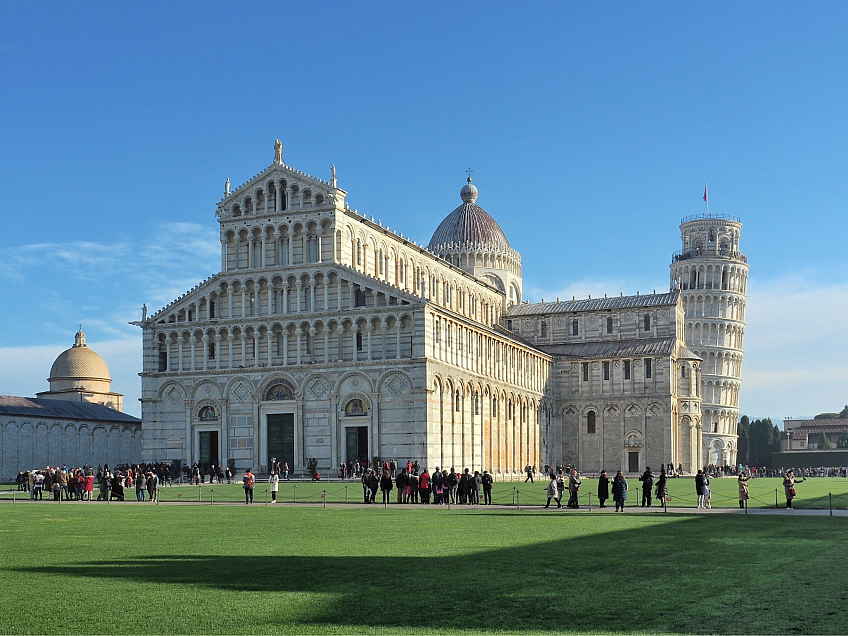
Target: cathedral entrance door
x,y
356,443
633,461
281,438
209,448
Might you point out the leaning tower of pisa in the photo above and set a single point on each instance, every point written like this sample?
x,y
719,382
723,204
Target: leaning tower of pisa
x,y
712,276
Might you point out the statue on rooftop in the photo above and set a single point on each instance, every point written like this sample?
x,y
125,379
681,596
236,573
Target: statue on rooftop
x,y
278,151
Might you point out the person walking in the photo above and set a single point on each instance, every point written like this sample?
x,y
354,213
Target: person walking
x,y
529,471
742,481
552,491
274,482
603,488
140,486
573,489
619,491
707,493
647,480
248,483
152,486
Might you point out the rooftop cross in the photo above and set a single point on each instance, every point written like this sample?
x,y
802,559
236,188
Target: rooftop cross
x,y
468,172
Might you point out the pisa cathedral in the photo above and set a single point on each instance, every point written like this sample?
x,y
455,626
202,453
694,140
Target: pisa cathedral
x,y
329,335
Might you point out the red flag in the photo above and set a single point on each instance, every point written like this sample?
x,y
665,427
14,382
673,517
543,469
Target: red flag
x,y
705,193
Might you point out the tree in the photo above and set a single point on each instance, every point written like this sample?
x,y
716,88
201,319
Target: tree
x,y
826,416
843,440
743,430
843,414
822,442
763,438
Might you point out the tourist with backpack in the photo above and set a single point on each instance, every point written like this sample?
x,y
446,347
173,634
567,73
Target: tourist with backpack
x,y
248,482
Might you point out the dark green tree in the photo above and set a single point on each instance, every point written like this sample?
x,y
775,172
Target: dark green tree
x,y
843,414
843,440
822,442
743,445
826,416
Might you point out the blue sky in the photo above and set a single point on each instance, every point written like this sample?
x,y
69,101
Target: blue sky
x,y
591,129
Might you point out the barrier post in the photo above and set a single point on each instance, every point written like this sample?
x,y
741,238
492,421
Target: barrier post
x,y
324,497
775,497
212,497
198,492
590,502
266,496
513,495
157,496
830,502
345,493
295,493
746,506
518,500
13,496
665,504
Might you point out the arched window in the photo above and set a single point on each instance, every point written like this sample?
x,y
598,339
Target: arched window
x,y
207,414
359,298
682,370
590,422
647,368
359,341
211,308
609,325
575,327
647,322
456,401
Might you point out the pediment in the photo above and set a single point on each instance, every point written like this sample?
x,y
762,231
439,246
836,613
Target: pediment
x,y
281,173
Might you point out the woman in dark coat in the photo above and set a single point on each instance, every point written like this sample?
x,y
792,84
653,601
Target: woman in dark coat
x,y
619,491
386,486
662,486
603,488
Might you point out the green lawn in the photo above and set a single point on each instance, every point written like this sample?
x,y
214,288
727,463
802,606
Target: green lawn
x,y
128,569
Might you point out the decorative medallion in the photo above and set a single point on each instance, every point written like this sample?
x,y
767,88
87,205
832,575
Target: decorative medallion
x,y
655,409
659,363
570,411
208,390
596,365
241,392
558,322
612,410
318,389
397,384
627,317
616,364
575,366
663,313
685,406
174,395
355,382
633,410
592,319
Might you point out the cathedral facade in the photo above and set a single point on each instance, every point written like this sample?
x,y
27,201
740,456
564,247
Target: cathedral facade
x,y
328,335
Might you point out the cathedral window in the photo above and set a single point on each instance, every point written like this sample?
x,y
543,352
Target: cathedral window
x,y
163,360
359,341
647,322
359,298
590,422
207,414
682,370
494,407
647,368
609,325
544,329
585,371
212,309
456,401
211,350
355,408
575,327
606,370
509,325
627,369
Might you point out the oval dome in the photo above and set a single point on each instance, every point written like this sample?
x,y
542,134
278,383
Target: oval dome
x,y
469,224
79,362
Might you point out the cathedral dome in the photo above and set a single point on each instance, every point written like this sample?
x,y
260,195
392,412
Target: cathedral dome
x,y
469,225
79,362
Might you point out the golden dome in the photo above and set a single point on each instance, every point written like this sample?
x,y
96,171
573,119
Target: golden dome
x,y
79,362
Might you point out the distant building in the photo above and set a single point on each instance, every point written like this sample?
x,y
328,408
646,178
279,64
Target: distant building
x,y
78,421
326,334
804,434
